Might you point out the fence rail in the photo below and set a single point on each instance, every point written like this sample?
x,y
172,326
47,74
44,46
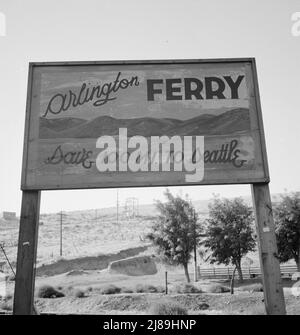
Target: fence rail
x,y
248,272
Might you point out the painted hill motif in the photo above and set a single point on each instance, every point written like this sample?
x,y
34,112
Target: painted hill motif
x,y
235,120
51,128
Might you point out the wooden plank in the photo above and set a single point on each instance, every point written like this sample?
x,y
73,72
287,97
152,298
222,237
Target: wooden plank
x,y
270,267
28,235
27,124
138,62
263,148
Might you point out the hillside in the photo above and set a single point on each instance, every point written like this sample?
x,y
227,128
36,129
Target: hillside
x,y
91,232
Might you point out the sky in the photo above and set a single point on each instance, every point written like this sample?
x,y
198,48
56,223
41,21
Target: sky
x,y
68,30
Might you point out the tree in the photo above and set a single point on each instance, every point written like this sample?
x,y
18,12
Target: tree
x,y
287,229
229,232
176,231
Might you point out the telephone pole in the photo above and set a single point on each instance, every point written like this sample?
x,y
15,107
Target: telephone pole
x,y
117,205
195,248
62,215
61,218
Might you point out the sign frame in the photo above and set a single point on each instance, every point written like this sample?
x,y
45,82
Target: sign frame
x,y
260,145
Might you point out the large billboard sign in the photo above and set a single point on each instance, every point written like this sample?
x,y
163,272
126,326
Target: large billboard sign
x,y
143,123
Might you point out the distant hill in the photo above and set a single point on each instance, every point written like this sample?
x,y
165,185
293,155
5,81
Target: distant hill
x,y
235,120
201,206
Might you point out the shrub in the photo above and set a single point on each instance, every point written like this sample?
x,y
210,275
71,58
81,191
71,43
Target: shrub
x,y
11,278
186,288
48,291
167,308
160,289
5,306
110,289
252,288
140,288
216,288
126,290
79,294
8,297
90,289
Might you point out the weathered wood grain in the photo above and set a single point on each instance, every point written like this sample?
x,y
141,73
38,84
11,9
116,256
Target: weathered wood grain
x,y
27,248
36,175
270,267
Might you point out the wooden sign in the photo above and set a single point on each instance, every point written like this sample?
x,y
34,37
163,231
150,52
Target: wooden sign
x,y
144,123
114,124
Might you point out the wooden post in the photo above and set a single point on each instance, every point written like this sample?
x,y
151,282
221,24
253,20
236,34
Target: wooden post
x,y
60,233
166,281
27,247
269,263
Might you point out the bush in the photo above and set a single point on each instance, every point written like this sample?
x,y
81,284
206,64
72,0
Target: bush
x,y
126,290
252,288
5,297
140,288
160,289
167,308
216,288
187,288
11,278
79,294
8,297
48,291
5,306
110,289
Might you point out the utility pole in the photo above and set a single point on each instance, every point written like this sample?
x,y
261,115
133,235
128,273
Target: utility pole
x,y
195,248
117,205
61,222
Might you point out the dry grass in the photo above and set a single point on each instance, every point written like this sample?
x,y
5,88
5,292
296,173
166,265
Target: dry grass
x,y
258,287
146,288
167,308
186,289
215,288
6,306
79,294
126,290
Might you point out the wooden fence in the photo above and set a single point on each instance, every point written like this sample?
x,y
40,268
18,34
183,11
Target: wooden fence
x,y
248,272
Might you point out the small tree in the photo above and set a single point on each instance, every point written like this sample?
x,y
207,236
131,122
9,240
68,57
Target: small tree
x,y
176,231
229,232
287,220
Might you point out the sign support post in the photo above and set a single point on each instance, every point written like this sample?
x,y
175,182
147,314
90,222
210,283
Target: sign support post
x,y
268,254
27,248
